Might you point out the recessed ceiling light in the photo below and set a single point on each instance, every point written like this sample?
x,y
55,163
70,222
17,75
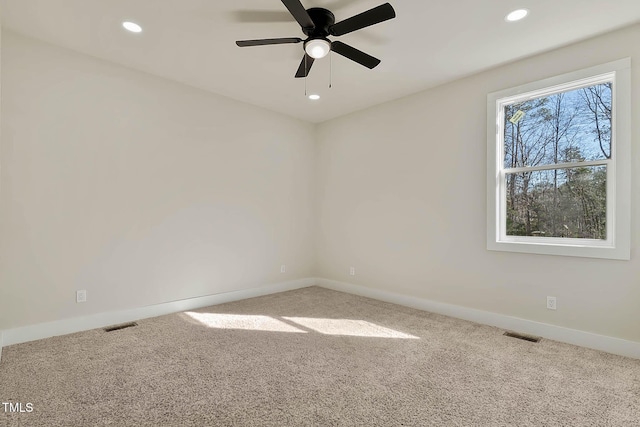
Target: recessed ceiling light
x,y
314,97
516,15
132,26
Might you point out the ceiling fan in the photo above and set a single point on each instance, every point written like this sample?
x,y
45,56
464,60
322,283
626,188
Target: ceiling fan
x,y
317,24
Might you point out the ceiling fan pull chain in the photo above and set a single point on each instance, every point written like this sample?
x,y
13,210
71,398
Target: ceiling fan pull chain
x,y
306,74
330,69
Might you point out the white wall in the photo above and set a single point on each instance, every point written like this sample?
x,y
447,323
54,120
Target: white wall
x,y
144,191
402,197
139,190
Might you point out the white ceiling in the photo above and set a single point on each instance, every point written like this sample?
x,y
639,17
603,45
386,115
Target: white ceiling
x,y
429,42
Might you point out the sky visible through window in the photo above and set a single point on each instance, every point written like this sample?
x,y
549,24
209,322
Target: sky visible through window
x,y
568,127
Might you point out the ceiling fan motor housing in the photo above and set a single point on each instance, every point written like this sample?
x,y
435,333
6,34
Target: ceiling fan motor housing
x,y
323,19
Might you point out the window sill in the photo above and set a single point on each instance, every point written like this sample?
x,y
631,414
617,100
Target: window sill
x,y
575,250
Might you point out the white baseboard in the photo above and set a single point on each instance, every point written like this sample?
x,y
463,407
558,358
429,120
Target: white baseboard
x,y
557,333
544,330
100,320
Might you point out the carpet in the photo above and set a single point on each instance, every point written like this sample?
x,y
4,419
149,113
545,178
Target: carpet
x,y
313,357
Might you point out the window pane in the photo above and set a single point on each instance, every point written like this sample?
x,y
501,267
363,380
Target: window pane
x,y
558,203
564,127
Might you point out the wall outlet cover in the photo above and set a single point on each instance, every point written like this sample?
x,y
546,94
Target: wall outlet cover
x,y
81,296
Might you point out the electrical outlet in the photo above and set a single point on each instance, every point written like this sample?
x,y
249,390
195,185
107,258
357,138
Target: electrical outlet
x,y
352,271
551,303
81,296
283,268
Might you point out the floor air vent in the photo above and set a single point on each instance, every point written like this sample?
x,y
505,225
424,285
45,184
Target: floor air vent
x,y
118,327
522,337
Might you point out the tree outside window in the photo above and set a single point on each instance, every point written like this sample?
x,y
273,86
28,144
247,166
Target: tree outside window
x,y
559,165
564,129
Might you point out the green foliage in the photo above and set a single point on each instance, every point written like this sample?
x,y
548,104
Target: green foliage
x,y
577,210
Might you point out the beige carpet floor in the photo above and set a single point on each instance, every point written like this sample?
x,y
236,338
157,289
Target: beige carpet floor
x,y
314,357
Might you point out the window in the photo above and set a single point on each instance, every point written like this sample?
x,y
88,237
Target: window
x,y
559,165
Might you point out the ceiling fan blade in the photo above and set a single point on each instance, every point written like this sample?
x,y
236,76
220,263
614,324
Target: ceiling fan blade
x,y
354,54
370,17
299,13
305,66
262,42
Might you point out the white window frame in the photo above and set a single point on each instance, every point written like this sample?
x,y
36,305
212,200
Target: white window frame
x,y
618,242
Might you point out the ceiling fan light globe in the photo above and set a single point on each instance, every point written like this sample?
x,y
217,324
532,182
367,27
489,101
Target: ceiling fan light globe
x,y
317,48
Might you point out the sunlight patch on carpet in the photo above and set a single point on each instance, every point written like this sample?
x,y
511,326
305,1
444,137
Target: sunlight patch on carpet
x,y
241,321
349,327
